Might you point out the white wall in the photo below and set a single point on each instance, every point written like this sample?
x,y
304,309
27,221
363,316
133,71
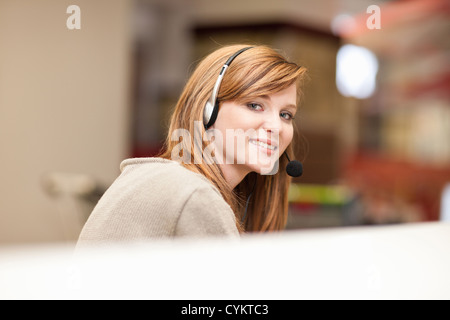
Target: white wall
x,y
64,106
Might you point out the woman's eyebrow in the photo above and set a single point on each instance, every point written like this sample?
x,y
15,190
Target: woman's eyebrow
x,y
291,105
287,105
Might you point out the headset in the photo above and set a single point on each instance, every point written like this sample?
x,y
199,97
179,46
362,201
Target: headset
x,y
294,168
212,105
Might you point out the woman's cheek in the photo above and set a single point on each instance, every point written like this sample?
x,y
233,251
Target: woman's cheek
x,y
287,139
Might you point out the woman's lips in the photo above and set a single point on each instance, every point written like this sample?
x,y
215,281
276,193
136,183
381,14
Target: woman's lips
x,y
265,145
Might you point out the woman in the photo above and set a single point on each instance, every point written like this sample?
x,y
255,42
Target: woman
x,y
218,174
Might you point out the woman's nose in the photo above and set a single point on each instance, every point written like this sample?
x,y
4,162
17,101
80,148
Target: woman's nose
x,y
272,122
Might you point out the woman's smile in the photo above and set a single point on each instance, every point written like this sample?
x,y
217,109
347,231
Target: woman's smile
x,y
266,146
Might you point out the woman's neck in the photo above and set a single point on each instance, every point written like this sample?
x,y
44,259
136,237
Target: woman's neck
x,y
234,173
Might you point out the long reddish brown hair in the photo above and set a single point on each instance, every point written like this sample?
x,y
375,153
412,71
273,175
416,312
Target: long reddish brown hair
x,y
255,72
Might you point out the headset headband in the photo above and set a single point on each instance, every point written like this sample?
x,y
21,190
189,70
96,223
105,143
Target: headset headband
x,y
212,105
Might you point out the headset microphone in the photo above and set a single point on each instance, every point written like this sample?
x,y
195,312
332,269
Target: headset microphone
x,y
294,168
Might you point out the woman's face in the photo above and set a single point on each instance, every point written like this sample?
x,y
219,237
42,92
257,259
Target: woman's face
x,y
256,132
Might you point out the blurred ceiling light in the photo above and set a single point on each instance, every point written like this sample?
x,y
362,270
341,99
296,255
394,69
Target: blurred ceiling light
x,y
356,71
342,24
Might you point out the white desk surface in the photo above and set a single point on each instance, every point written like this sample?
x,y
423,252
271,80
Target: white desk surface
x,y
409,261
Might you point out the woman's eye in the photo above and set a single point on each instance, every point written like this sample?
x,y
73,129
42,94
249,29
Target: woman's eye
x,y
254,106
286,116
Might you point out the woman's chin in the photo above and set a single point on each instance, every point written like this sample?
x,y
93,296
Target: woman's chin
x,y
264,168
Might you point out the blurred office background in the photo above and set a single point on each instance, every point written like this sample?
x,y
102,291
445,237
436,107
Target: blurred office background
x,y
74,103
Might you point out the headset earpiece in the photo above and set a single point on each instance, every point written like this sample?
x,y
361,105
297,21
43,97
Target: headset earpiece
x,y
210,113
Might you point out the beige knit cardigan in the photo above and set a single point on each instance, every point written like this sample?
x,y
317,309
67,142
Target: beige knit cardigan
x,y
155,198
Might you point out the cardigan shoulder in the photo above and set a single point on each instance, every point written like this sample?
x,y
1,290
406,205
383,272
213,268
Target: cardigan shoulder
x,y
158,198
